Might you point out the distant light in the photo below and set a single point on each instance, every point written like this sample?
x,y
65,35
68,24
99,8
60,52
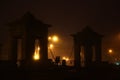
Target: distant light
x,y
49,38
110,51
55,38
51,46
117,63
38,48
65,58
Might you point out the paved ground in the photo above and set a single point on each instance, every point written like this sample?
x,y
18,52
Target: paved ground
x,y
91,73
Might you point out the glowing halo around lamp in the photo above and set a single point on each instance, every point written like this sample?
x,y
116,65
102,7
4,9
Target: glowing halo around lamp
x,y
110,51
49,38
36,55
51,46
65,58
55,38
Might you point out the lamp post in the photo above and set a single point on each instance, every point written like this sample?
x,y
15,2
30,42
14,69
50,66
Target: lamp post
x,y
51,40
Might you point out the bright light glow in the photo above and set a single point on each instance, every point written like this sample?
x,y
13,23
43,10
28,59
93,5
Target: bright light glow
x,y
38,48
117,63
65,58
36,55
51,46
110,51
55,38
49,38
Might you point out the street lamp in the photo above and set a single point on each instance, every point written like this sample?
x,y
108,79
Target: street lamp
x,y
51,46
65,58
49,38
110,51
53,38
51,41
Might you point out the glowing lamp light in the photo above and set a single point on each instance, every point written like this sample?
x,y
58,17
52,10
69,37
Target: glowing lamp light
x,y
117,63
55,38
51,46
110,51
49,38
38,48
36,55
65,58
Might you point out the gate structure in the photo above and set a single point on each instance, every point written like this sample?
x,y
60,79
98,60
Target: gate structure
x,y
25,32
87,47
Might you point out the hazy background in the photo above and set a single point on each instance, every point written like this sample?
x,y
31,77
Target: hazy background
x,y
68,17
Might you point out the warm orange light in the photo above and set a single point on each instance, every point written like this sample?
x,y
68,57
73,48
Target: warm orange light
x,y
38,48
36,55
110,50
51,46
49,38
55,38
65,58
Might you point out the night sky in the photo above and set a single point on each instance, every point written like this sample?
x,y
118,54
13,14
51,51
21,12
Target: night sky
x,y
69,17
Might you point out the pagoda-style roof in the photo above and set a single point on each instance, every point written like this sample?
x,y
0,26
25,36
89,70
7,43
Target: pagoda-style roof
x,y
87,35
28,24
87,31
27,19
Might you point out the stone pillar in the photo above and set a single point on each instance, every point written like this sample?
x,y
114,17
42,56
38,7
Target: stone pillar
x,y
43,49
88,54
98,51
0,47
30,47
77,62
14,50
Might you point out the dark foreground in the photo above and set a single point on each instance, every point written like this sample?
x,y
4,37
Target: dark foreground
x,y
61,73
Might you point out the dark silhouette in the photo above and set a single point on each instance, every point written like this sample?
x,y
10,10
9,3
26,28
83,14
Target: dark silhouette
x,y
87,43
57,60
63,62
27,31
